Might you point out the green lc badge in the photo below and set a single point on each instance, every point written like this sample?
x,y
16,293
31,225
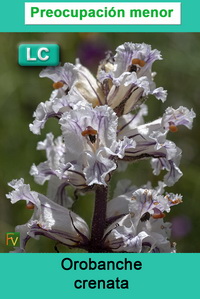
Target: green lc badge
x,y
38,54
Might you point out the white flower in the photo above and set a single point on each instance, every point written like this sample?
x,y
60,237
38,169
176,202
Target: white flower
x,y
126,91
148,237
88,87
176,117
75,78
121,236
91,144
123,82
137,221
49,219
58,103
55,152
129,77
66,76
151,141
142,52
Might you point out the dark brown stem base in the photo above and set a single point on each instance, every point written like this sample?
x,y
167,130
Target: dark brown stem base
x,y
99,220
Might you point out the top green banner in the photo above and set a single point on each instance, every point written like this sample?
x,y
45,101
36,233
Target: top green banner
x,y
100,16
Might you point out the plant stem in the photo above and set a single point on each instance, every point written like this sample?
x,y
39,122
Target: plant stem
x,y
99,219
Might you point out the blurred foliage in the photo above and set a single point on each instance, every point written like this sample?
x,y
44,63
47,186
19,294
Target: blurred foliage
x,y
22,90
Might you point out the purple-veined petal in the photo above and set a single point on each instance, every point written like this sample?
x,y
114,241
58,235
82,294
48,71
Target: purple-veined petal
x,y
94,154
66,74
160,94
49,218
177,117
22,191
121,236
99,166
173,171
55,151
129,51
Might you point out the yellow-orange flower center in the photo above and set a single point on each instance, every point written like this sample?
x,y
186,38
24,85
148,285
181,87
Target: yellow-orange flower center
x,y
173,128
89,131
30,206
138,61
158,216
57,85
